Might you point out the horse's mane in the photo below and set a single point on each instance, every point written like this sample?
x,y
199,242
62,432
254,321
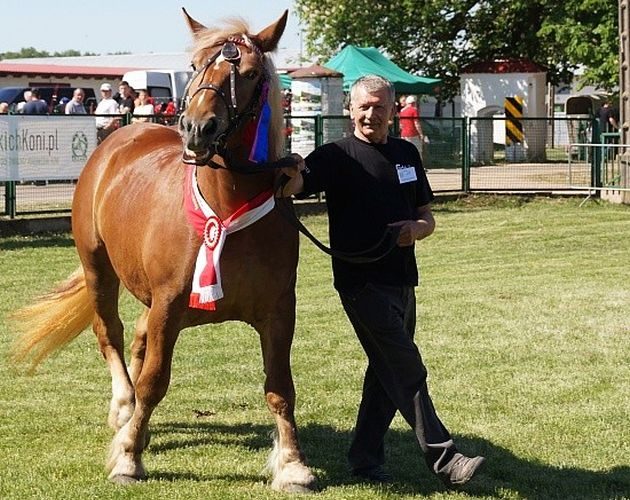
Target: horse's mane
x,y
233,26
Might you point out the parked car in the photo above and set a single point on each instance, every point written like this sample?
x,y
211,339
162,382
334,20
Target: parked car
x,y
162,84
52,95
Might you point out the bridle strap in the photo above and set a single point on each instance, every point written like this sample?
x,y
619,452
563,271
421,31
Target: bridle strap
x,y
231,105
232,55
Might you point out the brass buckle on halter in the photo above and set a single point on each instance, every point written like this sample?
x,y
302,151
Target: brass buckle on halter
x,y
231,52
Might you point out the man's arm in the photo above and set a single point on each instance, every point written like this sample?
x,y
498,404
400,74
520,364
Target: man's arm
x,y
415,230
419,128
613,121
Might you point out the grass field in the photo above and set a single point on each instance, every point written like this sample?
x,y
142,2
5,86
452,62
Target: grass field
x,y
524,323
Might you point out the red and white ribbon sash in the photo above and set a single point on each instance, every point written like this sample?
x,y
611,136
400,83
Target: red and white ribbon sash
x,y
206,285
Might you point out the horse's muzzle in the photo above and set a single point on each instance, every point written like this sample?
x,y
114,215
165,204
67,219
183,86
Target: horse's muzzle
x,y
198,137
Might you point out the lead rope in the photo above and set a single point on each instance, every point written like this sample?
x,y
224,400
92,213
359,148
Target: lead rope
x,y
388,241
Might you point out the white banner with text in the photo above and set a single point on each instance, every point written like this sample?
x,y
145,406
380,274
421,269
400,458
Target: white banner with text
x,y
45,147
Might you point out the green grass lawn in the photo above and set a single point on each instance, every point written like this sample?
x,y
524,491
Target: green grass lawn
x,y
524,324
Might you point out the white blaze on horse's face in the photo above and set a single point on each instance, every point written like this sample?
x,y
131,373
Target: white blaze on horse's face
x,y
219,60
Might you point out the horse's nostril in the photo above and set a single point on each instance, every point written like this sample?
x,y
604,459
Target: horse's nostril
x,y
184,124
210,127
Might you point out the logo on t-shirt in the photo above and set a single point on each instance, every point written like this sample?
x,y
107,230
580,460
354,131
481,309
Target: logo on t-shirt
x,y
406,173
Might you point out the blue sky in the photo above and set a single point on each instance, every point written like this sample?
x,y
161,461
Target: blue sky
x,y
137,26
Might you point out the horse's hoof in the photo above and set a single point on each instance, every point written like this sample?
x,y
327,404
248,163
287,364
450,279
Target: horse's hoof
x,y
300,488
295,477
124,480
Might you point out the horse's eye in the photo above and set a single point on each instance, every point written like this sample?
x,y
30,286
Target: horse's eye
x,y
193,67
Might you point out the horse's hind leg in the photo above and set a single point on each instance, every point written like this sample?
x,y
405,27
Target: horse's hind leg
x,y
286,462
103,285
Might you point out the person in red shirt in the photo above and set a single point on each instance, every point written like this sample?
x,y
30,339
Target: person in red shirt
x,y
410,127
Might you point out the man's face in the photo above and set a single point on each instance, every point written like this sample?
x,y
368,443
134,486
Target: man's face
x,y
123,90
371,113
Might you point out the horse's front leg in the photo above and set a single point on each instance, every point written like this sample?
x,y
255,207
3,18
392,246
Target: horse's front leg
x,y
163,325
286,463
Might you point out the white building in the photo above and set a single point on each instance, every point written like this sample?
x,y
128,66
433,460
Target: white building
x,y
484,89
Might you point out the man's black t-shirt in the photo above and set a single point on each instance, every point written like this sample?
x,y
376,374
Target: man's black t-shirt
x,y
368,186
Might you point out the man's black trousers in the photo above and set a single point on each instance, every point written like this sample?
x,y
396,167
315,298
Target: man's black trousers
x,y
384,319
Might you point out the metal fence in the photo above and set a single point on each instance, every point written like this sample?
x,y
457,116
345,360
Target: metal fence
x,y
459,154
470,154
540,162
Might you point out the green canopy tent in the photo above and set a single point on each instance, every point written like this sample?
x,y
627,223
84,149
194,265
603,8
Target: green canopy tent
x,y
285,80
355,62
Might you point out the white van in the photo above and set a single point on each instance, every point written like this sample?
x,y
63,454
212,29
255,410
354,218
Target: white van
x,y
162,84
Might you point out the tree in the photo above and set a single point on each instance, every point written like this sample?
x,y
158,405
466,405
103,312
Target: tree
x,y
439,38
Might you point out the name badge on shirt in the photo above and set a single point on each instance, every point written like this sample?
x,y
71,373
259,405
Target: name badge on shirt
x,y
406,173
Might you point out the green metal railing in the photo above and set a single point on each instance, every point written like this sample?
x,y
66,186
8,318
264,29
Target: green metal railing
x,y
462,154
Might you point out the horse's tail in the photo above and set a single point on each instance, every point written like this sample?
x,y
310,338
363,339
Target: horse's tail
x,y
53,321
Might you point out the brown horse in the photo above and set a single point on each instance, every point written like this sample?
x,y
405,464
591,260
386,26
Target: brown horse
x,y
130,226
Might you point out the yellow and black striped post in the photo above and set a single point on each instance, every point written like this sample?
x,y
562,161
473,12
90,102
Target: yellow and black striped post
x,y
513,120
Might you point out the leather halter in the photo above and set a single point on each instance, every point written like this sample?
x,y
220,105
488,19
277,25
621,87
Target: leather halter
x,y
231,54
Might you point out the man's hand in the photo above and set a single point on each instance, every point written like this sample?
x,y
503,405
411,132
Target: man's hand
x,y
409,232
296,183
412,230
292,171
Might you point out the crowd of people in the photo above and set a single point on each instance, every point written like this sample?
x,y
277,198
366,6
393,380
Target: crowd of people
x,y
126,101
129,102
127,105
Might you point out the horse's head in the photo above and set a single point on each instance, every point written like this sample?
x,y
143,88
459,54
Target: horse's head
x,y
231,71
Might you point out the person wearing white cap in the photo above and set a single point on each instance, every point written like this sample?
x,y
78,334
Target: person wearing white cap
x,y
410,127
107,106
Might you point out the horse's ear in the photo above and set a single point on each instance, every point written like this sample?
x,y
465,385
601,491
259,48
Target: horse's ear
x,y
195,27
268,38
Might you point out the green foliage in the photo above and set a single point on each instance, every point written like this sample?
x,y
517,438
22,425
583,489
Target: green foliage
x,y
28,52
523,324
24,53
438,38
590,39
